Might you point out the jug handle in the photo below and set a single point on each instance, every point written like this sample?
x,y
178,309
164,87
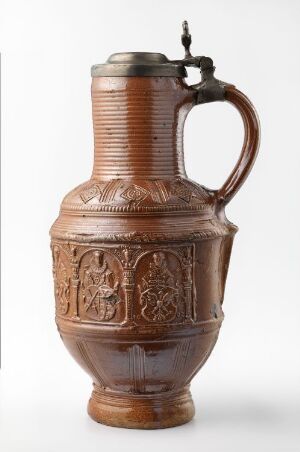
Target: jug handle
x,y
250,146
216,90
210,89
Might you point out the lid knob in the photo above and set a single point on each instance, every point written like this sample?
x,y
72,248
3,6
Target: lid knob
x,y
186,38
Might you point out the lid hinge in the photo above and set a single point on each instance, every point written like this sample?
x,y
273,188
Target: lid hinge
x,y
209,89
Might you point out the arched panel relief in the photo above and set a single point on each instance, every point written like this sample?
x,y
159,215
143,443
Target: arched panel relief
x,y
163,287
101,294
134,284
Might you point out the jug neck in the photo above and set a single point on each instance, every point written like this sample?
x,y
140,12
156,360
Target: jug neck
x,y
138,127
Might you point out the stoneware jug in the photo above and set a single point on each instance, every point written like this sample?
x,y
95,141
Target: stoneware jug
x,y
140,251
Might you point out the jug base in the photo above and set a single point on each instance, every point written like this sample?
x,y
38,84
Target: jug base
x,y
141,411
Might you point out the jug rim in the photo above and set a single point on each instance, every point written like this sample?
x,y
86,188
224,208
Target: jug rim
x,y
138,64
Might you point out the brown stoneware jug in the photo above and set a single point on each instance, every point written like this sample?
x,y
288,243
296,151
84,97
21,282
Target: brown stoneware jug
x,y
141,252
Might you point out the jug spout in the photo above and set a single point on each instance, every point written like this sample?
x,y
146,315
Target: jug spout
x,y
138,126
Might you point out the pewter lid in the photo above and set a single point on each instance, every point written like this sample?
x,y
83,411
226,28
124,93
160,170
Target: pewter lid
x,y
147,64
138,64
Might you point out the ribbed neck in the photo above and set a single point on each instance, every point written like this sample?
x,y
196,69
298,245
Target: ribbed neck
x,y
138,127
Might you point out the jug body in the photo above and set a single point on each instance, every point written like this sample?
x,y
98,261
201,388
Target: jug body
x,y
141,253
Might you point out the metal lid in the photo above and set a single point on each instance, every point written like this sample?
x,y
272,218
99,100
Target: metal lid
x,y
147,64
143,64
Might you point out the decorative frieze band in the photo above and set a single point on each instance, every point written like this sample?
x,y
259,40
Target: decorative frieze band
x,y
131,284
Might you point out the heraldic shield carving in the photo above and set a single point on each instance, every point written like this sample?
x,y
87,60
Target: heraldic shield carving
x,y
100,288
160,295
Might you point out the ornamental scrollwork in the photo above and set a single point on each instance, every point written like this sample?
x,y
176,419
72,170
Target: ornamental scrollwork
x,y
61,282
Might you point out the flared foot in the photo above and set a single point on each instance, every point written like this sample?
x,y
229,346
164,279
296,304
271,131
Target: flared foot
x,y
142,411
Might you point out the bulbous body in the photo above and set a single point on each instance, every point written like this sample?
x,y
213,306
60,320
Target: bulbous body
x,y
140,258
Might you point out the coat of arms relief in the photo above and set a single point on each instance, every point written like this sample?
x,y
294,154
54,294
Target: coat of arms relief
x,y
100,288
125,284
161,296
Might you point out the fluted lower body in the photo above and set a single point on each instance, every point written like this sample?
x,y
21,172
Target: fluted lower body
x,y
141,381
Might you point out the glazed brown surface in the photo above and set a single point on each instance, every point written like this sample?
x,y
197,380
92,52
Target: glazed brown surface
x,y
250,146
141,253
138,126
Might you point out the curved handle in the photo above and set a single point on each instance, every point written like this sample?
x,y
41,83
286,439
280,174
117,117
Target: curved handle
x,y
211,89
250,147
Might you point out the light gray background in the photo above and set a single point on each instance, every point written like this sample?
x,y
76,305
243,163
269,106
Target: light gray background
x,y
247,395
